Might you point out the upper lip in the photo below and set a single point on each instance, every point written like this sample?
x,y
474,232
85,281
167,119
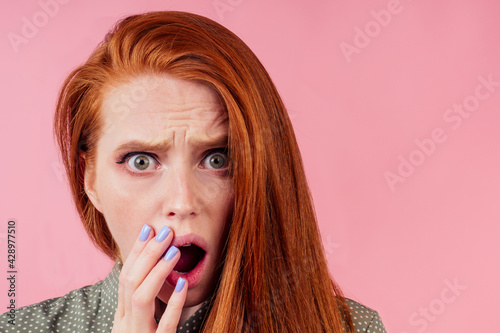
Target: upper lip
x,y
190,239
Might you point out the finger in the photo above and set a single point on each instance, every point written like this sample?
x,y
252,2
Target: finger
x,y
144,236
144,296
144,263
170,318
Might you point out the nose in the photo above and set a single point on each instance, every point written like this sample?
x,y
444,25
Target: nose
x,y
179,194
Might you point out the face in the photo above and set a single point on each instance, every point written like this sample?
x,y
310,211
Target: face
x,y
161,160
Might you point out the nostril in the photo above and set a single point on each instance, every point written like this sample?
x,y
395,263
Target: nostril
x,y
181,213
171,214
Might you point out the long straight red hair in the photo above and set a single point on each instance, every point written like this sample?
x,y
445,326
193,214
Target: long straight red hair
x,y
274,277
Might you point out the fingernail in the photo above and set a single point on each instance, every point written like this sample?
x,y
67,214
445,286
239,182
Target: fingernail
x,y
171,253
180,284
163,234
145,232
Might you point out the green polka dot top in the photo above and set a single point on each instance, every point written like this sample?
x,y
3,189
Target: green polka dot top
x,y
92,309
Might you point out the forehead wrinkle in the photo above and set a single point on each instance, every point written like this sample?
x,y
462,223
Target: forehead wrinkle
x,y
183,137
164,144
222,119
188,113
201,113
185,98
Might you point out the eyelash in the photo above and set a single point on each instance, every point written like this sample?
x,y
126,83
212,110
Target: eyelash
x,y
124,158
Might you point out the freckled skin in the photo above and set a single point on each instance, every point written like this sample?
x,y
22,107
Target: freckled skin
x,y
181,191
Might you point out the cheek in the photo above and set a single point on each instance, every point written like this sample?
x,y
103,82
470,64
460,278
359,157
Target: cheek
x,y
125,211
214,191
126,206
222,211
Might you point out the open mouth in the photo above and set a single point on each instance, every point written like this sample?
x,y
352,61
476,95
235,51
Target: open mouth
x,y
191,255
194,256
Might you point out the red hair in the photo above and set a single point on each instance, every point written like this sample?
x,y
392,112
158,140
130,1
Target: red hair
x,y
275,277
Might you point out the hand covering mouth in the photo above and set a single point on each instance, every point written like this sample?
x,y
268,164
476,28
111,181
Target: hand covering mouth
x,y
191,255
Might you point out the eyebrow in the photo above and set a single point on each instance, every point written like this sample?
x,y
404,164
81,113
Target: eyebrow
x,y
200,143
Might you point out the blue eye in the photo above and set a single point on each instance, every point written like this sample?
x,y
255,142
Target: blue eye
x,y
141,162
216,160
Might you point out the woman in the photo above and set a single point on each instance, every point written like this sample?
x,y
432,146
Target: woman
x,y
185,170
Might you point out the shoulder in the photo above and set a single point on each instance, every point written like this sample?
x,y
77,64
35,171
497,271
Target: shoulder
x,y
72,299
88,309
364,318
70,312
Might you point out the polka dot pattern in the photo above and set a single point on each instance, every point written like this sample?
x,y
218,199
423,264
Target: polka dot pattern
x,y
365,319
194,323
88,309
92,309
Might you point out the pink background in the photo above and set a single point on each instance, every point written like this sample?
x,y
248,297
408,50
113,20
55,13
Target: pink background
x,y
358,115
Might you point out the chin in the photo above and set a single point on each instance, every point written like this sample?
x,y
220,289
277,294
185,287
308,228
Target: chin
x,y
195,295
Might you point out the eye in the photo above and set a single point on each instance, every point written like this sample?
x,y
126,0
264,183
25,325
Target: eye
x,y
216,160
141,162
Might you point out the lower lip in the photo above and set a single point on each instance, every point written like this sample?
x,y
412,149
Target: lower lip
x,y
192,277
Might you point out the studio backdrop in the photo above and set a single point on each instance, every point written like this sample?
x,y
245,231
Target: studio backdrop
x,y
396,108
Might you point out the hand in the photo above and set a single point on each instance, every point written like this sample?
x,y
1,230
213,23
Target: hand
x,y
141,278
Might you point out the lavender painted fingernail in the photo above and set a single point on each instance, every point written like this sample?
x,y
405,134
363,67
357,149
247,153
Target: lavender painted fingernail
x,y
171,253
163,234
180,285
145,232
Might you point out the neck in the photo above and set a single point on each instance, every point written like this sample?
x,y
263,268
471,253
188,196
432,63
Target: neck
x,y
186,313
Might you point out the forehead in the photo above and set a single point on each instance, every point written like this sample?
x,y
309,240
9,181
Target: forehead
x,y
153,105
